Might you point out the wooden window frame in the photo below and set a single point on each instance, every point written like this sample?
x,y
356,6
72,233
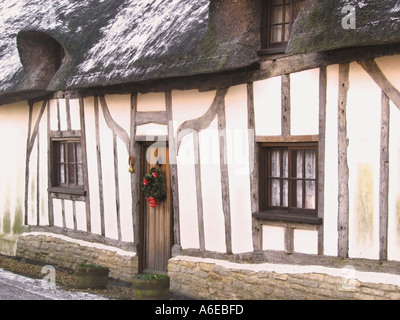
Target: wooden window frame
x,y
265,188
267,46
69,187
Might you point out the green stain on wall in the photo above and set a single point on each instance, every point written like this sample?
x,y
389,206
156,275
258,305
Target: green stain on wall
x,y
32,198
12,224
6,225
364,205
7,222
18,218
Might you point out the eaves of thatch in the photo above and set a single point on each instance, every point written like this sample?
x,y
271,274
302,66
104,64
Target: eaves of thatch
x,y
114,42
319,26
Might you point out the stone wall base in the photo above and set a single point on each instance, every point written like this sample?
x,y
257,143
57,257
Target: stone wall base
x,y
201,278
65,252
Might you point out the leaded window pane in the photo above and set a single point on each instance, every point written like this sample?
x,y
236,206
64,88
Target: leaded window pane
x,y
69,164
292,177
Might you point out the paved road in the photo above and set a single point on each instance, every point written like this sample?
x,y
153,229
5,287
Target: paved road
x,y
16,287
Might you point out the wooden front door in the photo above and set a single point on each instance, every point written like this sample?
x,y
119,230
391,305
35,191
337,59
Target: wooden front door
x,y
157,234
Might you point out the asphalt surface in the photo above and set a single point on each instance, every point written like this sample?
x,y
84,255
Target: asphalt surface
x,y
17,287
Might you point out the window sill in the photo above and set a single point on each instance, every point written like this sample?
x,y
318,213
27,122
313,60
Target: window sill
x,y
270,51
287,217
68,191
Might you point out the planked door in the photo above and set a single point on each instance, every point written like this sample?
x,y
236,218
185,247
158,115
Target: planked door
x,y
157,227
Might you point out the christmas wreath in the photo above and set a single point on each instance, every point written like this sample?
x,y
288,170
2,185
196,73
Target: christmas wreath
x,y
154,186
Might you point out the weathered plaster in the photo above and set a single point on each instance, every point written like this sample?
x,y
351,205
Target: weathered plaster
x,y
18,222
6,221
364,204
397,212
398,218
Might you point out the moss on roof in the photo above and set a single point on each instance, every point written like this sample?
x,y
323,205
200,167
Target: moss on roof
x,y
319,25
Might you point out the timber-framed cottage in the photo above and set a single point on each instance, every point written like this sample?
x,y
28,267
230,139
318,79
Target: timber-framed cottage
x,y
273,122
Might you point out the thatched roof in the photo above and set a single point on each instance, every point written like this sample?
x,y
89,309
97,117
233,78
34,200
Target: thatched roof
x,y
319,25
110,42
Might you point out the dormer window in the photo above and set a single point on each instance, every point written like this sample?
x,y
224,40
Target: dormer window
x,y
278,19
41,57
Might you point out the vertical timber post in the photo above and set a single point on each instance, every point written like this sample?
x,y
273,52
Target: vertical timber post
x,y
384,178
343,169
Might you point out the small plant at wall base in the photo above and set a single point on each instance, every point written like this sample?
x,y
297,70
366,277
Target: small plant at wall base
x,y
154,186
150,276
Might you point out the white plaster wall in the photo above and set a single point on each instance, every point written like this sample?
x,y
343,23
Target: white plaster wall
x,y
73,111
239,168
188,214
57,211
63,114
43,170
394,185
273,238
390,67
152,130
107,162
69,214
190,104
13,133
92,166
267,107
53,115
81,215
306,241
75,114
32,186
363,121
304,96
38,181
151,102
214,223
119,107
125,193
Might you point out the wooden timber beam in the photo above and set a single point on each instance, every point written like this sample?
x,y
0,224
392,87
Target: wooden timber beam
x,y
372,68
323,80
173,168
384,178
115,127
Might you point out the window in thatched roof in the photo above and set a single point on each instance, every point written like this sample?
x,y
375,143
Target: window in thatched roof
x,y
278,18
41,56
